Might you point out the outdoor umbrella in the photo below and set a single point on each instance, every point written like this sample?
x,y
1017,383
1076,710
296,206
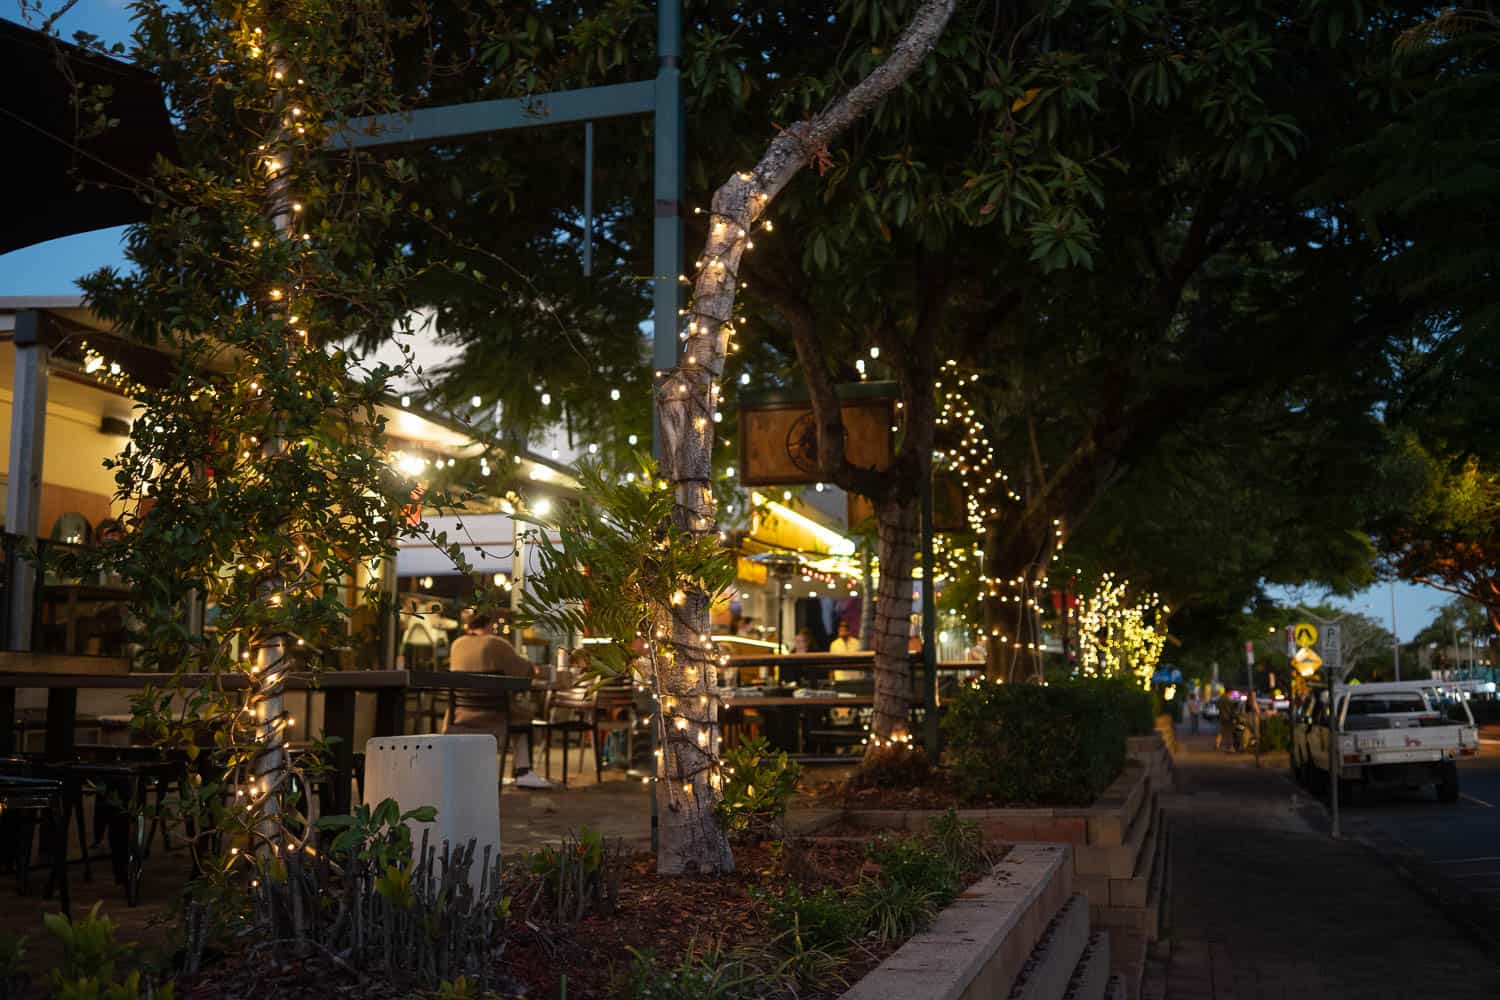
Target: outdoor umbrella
x,y
59,183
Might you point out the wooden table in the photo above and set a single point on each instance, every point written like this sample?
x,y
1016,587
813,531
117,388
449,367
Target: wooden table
x,y
799,736
64,676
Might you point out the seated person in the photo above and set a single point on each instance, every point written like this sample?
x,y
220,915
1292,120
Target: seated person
x,y
479,650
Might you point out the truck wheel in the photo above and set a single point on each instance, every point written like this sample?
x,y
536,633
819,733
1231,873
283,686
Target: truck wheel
x,y
1447,789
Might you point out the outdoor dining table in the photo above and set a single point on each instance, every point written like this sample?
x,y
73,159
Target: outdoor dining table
x,y
796,707
64,676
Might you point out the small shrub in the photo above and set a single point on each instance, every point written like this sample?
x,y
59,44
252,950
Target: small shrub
x,y
708,974
957,840
91,959
1060,744
827,919
758,784
14,979
1275,732
1138,706
901,766
895,911
581,874
908,862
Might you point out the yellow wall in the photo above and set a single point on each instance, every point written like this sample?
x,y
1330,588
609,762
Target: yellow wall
x,y
73,474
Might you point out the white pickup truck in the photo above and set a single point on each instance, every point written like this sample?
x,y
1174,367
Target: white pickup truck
x,y
1405,734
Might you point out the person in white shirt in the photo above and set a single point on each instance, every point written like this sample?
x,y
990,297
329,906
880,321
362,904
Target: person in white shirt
x,y
846,642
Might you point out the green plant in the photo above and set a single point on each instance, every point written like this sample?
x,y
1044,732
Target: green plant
x,y
958,840
15,980
1275,732
91,958
463,988
804,964
711,973
581,874
628,569
826,919
378,836
758,784
895,910
1059,744
907,861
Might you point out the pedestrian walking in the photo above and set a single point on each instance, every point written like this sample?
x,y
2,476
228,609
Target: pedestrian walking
x,y
1194,711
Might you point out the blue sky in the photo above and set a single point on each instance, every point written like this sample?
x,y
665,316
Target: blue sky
x,y
52,268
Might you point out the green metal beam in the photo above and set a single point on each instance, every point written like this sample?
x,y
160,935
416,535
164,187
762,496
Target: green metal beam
x,y
454,121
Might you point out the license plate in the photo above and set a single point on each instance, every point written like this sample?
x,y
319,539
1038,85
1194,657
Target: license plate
x,y
1406,756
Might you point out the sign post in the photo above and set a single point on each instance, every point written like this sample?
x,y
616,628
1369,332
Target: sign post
x,y
1254,701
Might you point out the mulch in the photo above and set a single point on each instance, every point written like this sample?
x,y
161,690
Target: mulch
x,y
666,916
670,916
937,791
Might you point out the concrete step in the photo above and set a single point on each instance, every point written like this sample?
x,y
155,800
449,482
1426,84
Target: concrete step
x,y
1091,977
1118,860
1128,951
1046,973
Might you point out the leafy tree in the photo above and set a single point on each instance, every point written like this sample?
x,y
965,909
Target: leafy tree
x,y
1449,537
1135,238
256,478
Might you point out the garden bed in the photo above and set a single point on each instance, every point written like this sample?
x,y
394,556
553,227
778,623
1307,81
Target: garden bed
x,y
654,919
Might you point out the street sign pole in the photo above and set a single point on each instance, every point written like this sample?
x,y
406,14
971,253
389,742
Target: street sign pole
x,y
1334,751
1254,701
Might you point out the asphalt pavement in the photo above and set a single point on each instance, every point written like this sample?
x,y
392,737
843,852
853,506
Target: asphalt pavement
x,y
1451,852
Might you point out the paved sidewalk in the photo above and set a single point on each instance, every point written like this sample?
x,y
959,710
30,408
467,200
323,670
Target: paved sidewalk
x,y
1264,905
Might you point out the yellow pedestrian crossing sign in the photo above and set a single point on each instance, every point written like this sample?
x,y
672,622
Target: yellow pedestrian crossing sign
x,y
1307,662
1305,635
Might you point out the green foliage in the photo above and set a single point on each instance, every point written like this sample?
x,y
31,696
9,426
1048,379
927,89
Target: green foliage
x,y
827,919
894,911
1275,732
1137,705
581,875
758,784
1448,534
1059,744
710,973
958,840
909,862
377,836
12,955
619,558
92,961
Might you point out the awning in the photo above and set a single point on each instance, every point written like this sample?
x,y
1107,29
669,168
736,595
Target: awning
x,y
61,184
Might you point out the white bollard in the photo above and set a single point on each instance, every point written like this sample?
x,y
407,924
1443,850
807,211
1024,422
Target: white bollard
x,y
457,775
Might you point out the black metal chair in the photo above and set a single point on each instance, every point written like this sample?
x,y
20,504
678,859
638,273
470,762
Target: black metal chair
x,y
26,804
121,780
568,712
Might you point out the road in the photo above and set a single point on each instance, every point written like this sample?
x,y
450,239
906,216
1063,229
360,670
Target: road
x,y
1452,851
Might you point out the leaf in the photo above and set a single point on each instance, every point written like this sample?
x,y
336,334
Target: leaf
x,y
1021,102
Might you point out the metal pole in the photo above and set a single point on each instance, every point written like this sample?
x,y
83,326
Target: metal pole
x,y
23,487
1335,753
1395,635
929,622
588,199
517,578
670,148
1254,705
666,254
